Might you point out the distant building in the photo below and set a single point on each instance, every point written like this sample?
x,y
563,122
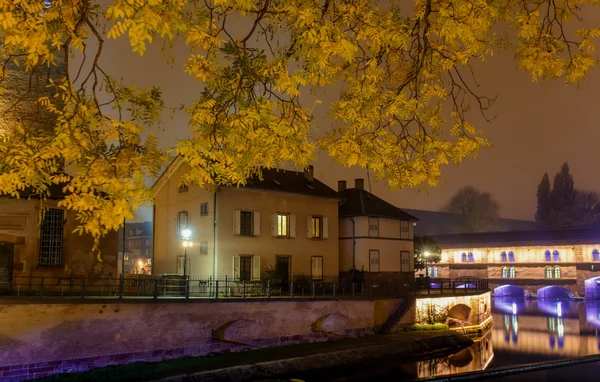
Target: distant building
x,y
375,236
432,223
36,243
548,263
138,248
288,221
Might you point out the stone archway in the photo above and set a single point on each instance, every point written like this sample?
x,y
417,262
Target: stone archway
x,y
509,291
553,292
332,323
460,311
592,288
240,331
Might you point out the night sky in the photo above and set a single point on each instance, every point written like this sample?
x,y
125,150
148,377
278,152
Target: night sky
x,y
538,127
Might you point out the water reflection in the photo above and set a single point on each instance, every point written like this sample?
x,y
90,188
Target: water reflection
x,y
477,357
546,327
526,331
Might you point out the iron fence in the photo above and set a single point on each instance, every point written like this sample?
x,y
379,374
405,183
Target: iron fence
x,y
451,286
176,286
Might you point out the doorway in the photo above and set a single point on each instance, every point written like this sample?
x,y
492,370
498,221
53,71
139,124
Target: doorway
x,y
6,260
283,269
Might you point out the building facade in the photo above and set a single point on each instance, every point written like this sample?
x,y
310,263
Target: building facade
x,y
375,236
285,222
544,263
37,241
138,248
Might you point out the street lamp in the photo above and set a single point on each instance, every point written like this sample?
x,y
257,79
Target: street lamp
x,y
186,234
426,254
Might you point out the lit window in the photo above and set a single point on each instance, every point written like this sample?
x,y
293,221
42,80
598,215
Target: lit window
x,y
596,255
548,272
283,221
556,272
555,256
503,257
463,257
548,256
317,227
504,272
512,272
435,272
511,257
471,259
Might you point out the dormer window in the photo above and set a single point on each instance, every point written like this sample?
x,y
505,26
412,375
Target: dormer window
x,y
182,188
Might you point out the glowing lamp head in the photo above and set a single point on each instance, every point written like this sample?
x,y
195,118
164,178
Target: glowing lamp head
x,y
426,254
186,234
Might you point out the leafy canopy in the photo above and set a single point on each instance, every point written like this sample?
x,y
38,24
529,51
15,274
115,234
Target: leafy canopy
x,y
403,72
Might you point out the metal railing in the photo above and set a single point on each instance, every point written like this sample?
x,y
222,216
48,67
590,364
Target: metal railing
x,y
176,286
451,286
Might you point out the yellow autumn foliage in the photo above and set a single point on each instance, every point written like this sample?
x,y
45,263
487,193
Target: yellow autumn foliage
x,y
402,71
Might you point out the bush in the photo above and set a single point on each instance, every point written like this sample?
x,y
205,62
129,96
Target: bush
x,y
426,327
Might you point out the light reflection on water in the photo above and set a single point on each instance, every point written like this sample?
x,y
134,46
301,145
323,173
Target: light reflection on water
x,y
526,331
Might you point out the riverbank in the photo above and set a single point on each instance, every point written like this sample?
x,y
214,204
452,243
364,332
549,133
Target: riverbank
x,y
288,360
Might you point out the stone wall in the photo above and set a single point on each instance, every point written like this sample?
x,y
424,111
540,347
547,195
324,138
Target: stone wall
x,y
43,338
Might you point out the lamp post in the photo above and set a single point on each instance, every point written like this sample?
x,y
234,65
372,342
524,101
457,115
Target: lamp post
x,y
186,234
426,254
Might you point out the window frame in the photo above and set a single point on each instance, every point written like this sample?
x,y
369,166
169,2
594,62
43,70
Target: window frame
x,y
595,255
511,257
435,272
316,232
378,260
402,223
286,224
203,209
204,246
51,219
549,272
503,257
249,232
242,274
463,257
470,257
511,273
371,230
180,229
407,254
548,256
557,272
312,275
504,273
556,256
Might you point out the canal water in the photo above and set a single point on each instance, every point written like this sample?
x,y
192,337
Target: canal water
x,y
524,331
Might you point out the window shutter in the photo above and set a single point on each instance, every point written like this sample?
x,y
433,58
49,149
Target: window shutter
x,y
255,267
236,222
292,225
236,267
274,225
256,216
325,227
309,227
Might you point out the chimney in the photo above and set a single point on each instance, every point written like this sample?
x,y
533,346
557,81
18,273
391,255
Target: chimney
x,y
309,173
341,185
359,183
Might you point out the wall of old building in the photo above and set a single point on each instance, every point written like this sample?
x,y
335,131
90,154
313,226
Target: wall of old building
x,y
50,337
299,248
19,224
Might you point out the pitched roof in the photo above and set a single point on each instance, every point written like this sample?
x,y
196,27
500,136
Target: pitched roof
x,y
272,180
433,223
570,236
291,182
360,202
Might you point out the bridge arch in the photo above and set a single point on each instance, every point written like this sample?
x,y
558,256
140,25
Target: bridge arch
x,y
553,292
509,291
592,288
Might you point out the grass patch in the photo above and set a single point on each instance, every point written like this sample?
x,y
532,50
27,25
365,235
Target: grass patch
x,y
150,371
427,327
